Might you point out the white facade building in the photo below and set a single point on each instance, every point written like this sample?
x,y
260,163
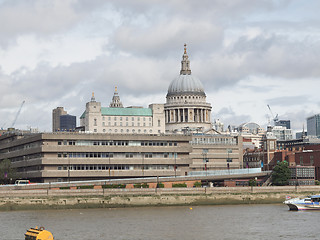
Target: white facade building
x,y
117,119
282,133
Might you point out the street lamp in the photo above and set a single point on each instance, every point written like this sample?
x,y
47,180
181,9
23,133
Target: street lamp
x,y
109,167
175,164
205,159
142,164
68,169
229,160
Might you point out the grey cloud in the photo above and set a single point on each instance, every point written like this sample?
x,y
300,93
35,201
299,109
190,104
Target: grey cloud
x,y
211,9
139,80
168,36
38,17
288,101
262,56
229,117
297,118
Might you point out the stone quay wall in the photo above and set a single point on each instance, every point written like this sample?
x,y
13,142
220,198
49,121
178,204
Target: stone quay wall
x,y
109,198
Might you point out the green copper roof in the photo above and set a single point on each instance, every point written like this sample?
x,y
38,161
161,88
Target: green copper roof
x,y
126,111
107,111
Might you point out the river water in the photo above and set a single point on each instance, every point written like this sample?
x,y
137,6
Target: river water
x,y
272,221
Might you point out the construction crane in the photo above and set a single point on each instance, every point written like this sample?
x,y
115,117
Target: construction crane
x,y
275,118
17,115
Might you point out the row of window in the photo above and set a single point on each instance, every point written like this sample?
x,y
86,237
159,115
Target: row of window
x,y
145,131
127,118
95,123
186,97
26,157
115,167
22,147
115,155
301,182
120,124
116,143
214,140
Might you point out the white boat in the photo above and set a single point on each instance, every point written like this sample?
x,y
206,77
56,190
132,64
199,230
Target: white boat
x,y
307,203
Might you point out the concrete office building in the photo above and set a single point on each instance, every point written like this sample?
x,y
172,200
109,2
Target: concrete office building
x,y
216,152
64,156
51,157
313,126
56,113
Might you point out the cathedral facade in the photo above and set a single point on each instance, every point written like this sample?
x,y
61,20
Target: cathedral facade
x,y
185,109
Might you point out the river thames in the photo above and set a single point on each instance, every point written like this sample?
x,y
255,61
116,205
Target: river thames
x,y
270,221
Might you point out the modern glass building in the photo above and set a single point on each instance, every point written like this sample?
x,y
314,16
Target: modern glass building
x,y
313,125
68,122
283,123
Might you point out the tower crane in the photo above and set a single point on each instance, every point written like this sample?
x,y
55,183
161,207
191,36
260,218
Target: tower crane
x,y
275,118
17,115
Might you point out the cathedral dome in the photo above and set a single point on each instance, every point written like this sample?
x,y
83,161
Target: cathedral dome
x,y
185,83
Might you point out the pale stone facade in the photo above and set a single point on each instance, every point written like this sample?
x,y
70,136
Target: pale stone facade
x,y
117,119
186,106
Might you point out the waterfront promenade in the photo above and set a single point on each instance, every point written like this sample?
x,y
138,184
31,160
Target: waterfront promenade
x,y
102,198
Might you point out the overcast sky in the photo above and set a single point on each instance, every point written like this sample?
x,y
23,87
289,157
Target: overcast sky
x,y
247,54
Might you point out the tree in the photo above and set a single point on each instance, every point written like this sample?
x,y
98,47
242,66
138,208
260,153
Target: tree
x,y
7,173
281,174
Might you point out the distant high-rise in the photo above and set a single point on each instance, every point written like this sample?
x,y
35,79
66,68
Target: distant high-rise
x,y
67,123
313,125
283,123
56,113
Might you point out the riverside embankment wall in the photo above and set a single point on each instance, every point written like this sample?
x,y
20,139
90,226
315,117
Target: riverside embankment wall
x,y
105,198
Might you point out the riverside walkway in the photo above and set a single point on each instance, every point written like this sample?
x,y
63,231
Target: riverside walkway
x,y
204,176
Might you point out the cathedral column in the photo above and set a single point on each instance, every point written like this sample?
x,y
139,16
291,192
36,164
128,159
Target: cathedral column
x,y
186,117
196,115
191,115
182,115
203,116
165,116
177,115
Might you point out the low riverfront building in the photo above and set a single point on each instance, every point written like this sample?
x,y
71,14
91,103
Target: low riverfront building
x,y
52,157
